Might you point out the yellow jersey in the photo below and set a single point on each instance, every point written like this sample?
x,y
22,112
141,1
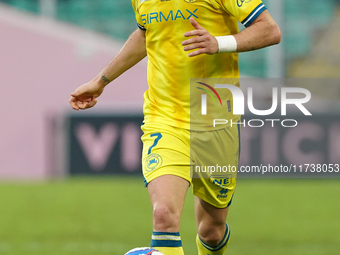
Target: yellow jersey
x,y
170,69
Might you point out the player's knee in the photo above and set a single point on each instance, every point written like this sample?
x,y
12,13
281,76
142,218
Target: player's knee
x,y
211,234
166,218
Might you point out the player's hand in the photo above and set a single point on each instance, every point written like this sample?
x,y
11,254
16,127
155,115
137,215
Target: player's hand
x,y
203,41
85,96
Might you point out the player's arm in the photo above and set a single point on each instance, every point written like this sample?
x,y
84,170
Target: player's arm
x,y
261,33
133,51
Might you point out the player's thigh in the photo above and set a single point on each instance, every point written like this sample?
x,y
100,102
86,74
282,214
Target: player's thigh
x,y
216,163
167,194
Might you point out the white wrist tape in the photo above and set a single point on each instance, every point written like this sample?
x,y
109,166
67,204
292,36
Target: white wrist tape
x,y
226,43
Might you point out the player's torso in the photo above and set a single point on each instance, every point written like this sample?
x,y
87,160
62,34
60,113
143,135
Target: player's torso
x,y
170,68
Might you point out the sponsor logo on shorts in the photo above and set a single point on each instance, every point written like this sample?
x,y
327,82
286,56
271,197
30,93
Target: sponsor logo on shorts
x,y
153,161
222,181
223,194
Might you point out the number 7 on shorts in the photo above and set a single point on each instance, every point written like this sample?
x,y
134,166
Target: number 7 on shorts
x,y
158,136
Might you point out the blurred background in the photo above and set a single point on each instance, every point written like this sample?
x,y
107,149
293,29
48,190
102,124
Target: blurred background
x,y
71,183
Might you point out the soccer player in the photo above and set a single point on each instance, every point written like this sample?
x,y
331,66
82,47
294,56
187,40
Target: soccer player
x,y
185,39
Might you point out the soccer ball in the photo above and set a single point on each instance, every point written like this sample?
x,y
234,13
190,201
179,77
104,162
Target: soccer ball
x,y
143,251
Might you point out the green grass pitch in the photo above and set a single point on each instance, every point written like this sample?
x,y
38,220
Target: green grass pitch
x,y
95,216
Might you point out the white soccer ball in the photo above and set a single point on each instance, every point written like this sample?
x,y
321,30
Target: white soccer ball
x,y
143,251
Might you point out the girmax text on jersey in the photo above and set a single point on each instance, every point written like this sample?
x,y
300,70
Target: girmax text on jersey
x,y
172,15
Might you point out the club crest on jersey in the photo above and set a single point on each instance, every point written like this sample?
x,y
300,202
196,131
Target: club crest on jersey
x,y
153,161
223,181
240,2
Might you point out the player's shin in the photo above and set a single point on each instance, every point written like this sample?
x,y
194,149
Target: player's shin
x,y
169,243
205,249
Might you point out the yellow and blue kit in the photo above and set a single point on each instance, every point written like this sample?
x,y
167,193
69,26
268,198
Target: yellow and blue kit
x,y
171,144
168,136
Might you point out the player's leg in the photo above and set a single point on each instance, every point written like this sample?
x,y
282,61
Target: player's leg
x,y
166,170
212,231
167,194
214,189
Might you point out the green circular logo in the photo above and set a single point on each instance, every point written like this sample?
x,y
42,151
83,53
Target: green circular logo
x,y
153,161
190,1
